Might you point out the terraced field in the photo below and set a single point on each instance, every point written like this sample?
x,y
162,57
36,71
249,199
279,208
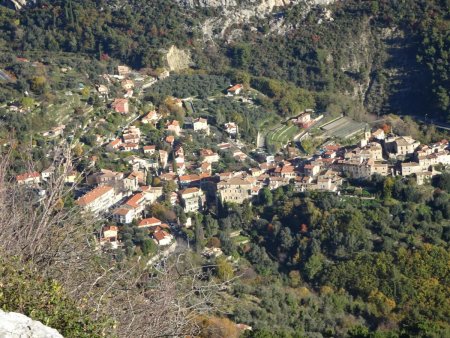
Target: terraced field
x,y
282,134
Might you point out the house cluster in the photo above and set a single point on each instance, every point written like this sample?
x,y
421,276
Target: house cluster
x,y
35,179
376,154
126,197
130,82
305,120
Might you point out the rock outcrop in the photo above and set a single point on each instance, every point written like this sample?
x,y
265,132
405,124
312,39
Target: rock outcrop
x,y
17,325
256,3
235,13
178,59
17,4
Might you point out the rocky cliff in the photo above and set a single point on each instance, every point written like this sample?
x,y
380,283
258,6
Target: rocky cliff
x,y
235,13
178,59
17,4
256,3
17,325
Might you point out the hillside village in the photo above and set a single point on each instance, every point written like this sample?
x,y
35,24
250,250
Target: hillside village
x,y
190,177
235,169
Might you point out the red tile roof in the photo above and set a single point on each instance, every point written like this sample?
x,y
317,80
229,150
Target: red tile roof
x,y
122,211
152,221
26,176
134,200
235,88
160,235
93,195
189,191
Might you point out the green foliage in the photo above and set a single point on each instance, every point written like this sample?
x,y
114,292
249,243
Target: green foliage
x,y
390,253
224,269
288,98
148,247
24,291
183,86
442,181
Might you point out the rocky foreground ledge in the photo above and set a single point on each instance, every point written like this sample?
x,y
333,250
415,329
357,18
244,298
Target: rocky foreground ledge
x,y
15,325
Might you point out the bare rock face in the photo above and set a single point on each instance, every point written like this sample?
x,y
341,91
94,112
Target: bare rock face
x,y
208,3
255,3
178,59
17,325
237,12
17,4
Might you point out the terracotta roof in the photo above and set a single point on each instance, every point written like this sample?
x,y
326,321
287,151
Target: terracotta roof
x,y
167,176
235,87
130,145
174,123
332,147
114,143
287,169
130,136
189,178
160,235
207,152
122,211
234,181
93,195
26,176
410,164
189,191
134,200
152,221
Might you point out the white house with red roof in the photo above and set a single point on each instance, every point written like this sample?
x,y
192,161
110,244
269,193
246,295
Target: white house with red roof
x,y
192,199
174,127
109,235
151,222
121,106
162,237
231,128
209,156
99,199
151,117
235,90
129,146
150,149
29,178
114,145
201,124
130,210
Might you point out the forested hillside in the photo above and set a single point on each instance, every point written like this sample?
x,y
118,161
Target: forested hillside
x,y
371,264
385,56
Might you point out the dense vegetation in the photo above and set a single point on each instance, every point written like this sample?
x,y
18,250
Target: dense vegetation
x,y
344,266
366,43
24,291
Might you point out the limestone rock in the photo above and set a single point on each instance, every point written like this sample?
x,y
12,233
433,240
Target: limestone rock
x,y
178,59
17,325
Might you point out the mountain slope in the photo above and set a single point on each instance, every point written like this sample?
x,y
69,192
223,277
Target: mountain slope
x,y
363,51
